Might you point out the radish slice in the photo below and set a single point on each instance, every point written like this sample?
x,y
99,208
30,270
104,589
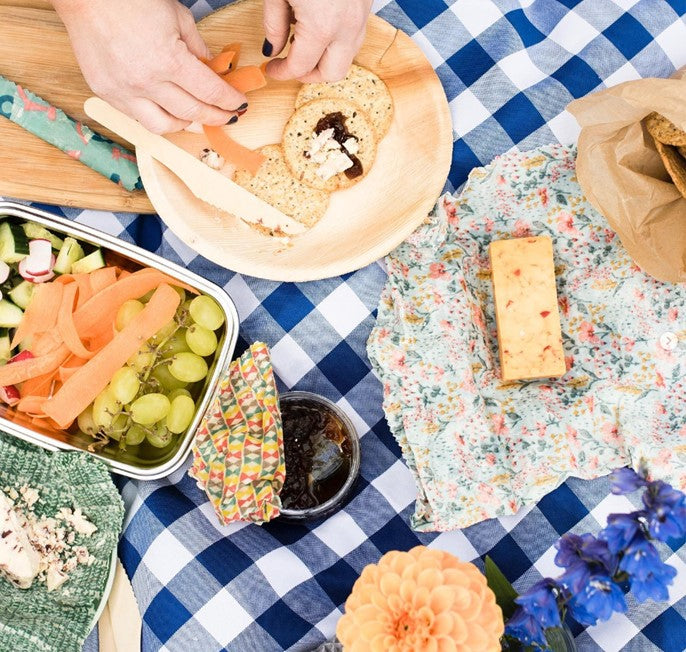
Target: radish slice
x,y
4,271
40,259
9,394
22,355
44,273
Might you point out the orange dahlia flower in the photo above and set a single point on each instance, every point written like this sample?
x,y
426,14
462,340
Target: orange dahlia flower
x,y
424,600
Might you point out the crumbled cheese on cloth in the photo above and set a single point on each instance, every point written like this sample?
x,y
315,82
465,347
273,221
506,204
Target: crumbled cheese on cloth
x,y
40,547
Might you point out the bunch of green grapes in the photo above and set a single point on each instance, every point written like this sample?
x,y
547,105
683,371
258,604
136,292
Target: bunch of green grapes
x,y
150,398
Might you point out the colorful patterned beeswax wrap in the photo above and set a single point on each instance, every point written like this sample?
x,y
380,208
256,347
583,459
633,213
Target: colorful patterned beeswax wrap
x,y
479,448
54,126
238,456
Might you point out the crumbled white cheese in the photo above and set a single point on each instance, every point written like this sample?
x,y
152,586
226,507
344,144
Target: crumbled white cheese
x,y
33,547
335,163
328,154
351,145
212,159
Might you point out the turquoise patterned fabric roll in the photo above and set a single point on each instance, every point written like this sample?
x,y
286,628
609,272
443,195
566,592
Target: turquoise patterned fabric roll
x,y
74,138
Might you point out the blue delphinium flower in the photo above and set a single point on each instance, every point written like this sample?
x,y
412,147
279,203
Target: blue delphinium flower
x,y
541,601
598,599
620,530
654,585
648,574
626,480
526,628
665,511
573,549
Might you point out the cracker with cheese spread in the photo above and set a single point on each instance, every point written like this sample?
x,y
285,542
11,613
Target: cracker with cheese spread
x,y
274,184
361,86
329,144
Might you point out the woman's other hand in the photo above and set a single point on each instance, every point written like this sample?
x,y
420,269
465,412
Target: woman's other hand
x,y
142,57
327,35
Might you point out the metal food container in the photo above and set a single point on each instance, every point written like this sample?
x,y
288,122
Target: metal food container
x,y
127,463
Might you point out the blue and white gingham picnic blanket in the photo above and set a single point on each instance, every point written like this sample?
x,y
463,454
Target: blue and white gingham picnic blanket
x,y
509,67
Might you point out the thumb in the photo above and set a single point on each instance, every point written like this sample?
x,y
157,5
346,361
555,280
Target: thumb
x,y
277,26
191,36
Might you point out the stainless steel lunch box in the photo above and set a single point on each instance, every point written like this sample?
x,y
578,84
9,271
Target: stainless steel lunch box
x,y
125,462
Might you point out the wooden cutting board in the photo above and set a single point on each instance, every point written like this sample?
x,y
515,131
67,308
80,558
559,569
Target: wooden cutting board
x,y
35,52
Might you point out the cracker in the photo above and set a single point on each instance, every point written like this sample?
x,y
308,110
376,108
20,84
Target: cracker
x,y
665,131
361,86
298,132
674,163
274,184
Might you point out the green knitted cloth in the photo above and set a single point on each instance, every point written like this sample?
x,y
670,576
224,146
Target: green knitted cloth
x,y
33,620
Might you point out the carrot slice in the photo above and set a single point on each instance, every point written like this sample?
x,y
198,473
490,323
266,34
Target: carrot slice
x,y
246,79
236,49
101,278
65,324
18,372
41,313
97,315
79,391
38,386
233,152
32,405
221,64
85,290
67,370
45,342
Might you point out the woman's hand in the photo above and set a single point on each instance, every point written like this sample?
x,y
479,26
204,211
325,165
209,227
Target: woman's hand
x,y
142,57
327,35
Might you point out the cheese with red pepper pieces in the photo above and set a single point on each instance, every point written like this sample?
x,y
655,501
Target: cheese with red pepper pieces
x,y
529,334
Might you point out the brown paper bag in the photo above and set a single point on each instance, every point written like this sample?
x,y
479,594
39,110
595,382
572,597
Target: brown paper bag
x,y
622,175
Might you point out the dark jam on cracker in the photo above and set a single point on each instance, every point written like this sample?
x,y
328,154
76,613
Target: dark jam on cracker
x,y
318,453
336,121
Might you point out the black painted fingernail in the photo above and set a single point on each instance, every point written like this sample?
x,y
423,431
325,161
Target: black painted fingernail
x,y
267,48
242,107
232,120
240,113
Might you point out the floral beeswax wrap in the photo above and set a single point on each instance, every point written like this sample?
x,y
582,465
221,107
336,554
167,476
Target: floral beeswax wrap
x,y
238,456
479,448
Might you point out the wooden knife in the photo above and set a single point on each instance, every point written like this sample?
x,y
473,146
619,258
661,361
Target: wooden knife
x,y
205,183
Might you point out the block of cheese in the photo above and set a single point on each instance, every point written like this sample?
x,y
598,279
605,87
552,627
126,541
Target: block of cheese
x,y
528,320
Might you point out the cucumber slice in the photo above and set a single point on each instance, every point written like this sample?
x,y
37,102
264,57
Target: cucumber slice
x,y
22,294
5,350
34,231
70,252
10,315
88,264
14,245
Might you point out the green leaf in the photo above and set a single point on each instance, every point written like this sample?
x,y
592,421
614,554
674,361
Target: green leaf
x,y
557,639
505,593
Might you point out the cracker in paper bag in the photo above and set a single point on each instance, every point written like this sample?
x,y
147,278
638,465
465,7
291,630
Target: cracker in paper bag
x,y
630,168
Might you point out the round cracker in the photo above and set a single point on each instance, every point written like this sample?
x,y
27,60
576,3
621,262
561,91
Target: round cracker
x,y
299,130
665,131
274,184
674,163
361,86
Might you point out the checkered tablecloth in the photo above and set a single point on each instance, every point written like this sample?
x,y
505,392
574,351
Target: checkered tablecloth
x,y
509,67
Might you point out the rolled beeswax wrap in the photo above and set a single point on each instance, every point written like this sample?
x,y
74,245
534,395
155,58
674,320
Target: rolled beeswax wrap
x,y
238,455
481,448
74,138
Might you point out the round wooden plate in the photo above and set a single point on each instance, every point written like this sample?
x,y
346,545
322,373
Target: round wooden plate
x,y
362,223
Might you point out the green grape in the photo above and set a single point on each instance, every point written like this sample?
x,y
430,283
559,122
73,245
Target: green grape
x,y
135,435
205,311
188,367
166,380
166,331
105,408
180,291
202,341
118,427
85,421
181,413
177,392
124,385
129,309
142,360
149,409
176,344
159,437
